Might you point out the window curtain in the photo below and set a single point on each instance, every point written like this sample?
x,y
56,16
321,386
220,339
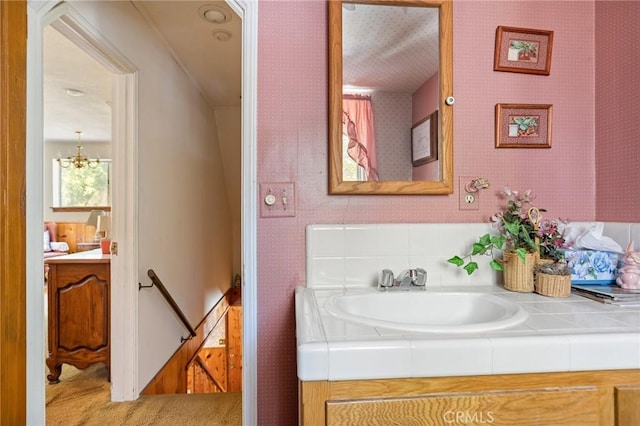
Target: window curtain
x,y
357,124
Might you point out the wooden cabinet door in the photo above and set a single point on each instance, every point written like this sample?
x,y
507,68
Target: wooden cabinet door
x,y
83,315
78,316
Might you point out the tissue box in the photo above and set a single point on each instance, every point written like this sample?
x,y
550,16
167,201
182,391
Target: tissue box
x,y
592,266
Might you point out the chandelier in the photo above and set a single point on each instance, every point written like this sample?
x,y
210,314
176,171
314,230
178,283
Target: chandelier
x,y
79,160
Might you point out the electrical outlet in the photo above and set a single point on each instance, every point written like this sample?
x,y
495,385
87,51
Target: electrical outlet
x,y
468,200
277,199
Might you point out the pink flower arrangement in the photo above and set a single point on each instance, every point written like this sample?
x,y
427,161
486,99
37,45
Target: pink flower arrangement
x,y
519,225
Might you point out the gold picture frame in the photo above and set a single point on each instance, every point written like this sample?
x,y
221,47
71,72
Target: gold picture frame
x,y
523,50
523,125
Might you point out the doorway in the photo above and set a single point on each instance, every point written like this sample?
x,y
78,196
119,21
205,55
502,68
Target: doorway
x,y
124,360
111,81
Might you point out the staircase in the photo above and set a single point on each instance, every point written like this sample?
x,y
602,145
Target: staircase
x,y
210,360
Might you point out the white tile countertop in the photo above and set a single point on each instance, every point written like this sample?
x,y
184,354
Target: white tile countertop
x,y
560,334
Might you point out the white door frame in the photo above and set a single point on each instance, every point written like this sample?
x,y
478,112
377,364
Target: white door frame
x,y
124,362
248,12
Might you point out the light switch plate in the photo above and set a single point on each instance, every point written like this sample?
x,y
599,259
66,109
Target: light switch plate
x,y
277,199
468,200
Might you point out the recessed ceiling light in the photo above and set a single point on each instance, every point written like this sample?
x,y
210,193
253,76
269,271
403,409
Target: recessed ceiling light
x,y
214,14
221,35
74,92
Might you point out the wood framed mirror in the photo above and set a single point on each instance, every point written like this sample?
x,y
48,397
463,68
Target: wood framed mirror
x,y
379,87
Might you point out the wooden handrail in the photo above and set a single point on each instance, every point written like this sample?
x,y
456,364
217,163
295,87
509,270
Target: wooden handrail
x,y
163,290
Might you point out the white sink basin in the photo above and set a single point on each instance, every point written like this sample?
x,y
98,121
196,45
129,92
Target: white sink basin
x,y
455,312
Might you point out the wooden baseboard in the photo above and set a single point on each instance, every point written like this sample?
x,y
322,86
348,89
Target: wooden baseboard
x,y
172,377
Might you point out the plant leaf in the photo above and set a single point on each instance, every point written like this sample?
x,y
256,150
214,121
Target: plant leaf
x,y
456,260
522,253
478,249
512,228
496,265
498,241
470,267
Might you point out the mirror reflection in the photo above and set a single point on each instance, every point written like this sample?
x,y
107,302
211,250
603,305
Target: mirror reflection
x,y
390,86
390,70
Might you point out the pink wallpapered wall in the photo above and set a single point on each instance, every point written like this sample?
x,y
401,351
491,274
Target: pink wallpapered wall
x,y
292,146
617,109
392,118
425,100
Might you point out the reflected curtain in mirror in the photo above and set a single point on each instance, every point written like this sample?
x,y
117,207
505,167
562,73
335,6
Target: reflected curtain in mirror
x,y
359,138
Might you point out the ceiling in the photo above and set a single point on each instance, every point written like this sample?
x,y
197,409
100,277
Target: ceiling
x,y
208,52
389,48
66,66
213,61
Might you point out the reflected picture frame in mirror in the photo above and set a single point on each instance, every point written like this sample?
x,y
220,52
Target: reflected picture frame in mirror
x,y
442,183
424,140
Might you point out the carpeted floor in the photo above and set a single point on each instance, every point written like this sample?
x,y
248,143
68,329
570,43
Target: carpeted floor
x,y
83,398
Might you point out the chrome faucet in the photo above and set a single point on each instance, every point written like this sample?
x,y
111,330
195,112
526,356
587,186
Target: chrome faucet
x,y
409,279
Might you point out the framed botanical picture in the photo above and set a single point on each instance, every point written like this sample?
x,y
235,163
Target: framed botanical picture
x,y
523,126
523,50
424,140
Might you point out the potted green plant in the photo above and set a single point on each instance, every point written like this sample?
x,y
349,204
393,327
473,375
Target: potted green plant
x,y
521,232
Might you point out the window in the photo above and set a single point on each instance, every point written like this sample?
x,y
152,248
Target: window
x,y
88,187
351,171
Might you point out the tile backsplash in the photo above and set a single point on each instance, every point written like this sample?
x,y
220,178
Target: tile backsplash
x,y
352,255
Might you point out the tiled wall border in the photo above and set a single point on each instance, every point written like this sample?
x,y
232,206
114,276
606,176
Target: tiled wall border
x,y
352,255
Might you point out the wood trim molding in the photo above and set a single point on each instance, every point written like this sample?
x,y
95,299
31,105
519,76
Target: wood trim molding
x,y
79,209
172,377
13,90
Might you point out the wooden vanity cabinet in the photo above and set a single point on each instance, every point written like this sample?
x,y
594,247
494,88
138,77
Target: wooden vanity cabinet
x,y
597,398
78,295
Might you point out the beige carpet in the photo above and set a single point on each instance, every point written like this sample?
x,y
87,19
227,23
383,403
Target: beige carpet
x,y
83,398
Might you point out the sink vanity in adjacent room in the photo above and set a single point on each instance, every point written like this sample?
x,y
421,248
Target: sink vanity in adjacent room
x,y
570,361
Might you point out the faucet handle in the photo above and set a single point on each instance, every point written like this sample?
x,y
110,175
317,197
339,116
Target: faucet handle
x,y
421,277
386,278
413,277
407,277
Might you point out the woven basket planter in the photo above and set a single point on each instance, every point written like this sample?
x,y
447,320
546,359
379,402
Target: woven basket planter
x,y
553,285
518,275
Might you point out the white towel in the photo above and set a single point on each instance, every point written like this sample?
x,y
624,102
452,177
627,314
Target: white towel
x,y
59,246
